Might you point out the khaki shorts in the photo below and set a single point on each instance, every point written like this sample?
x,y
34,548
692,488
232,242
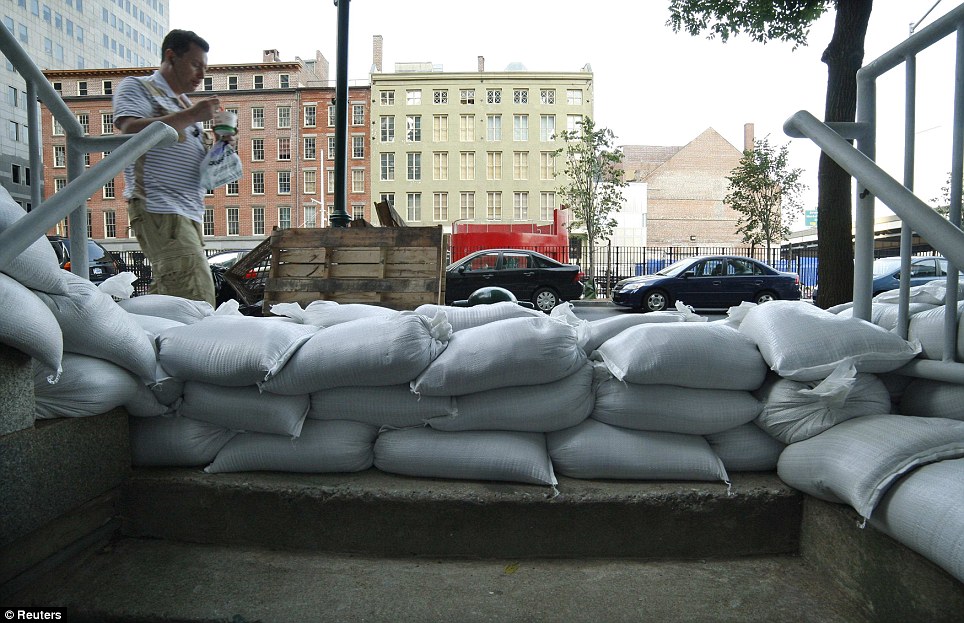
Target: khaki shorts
x,y
175,248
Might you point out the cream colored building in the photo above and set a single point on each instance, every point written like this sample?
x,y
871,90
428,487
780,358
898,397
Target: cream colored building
x,y
474,147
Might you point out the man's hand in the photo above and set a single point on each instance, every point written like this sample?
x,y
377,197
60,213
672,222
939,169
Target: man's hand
x,y
205,109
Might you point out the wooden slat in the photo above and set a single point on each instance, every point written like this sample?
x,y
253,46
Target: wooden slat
x,y
304,256
280,284
357,237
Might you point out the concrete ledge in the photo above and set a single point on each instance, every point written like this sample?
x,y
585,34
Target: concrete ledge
x,y
16,390
890,581
378,514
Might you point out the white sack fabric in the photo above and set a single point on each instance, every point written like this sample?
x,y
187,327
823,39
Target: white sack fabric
x,y
467,455
606,328
884,315
924,510
794,410
233,351
323,447
927,398
32,329
170,307
93,325
856,461
505,353
390,405
144,403
478,315
154,325
690,354
746,448
802,342
596,450
927,327
368,352
330,313
932,292
175,441
88,386
37,266
244,408
533,408
673,409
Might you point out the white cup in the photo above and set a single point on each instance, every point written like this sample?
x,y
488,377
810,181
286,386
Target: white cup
x,y
225,123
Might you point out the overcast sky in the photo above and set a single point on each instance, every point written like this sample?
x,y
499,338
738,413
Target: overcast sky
x,y
652,87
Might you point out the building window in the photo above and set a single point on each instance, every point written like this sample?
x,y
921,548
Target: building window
x,y
467,128
413,97
547,128
60,156
520,96
258,82
467,165
387,98
284,116
107,87
284,182
84,120
257,149
257,183
110,224
208,86
87,159
331,116
493,96
208,225
520,165
413,128
493,206
520,206
232,83
257,118
574,124
357,147
358,180
387,166
109,190
493,127
547,165
547,96
58,130
574,97
440,96
330,176
257,220
284,217
331,147
386,126
357,212
208,192
311,219
82,87
310,116
440,206
440,128
547,203
467,97
15,174
358,114
413,207
467,205
232,188
59,183
284,81
308,148
440,165
284,148
520,127
310,181
233,215
414,166
107,123
493,165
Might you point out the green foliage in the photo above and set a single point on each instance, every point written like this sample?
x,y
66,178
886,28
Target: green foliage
x,y
766,193
761,20
943,203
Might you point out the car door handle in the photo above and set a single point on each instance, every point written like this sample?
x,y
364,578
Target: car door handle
x,y
486,276
528,274
717,282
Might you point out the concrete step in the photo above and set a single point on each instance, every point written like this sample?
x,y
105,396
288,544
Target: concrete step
x,y
377,514
147,580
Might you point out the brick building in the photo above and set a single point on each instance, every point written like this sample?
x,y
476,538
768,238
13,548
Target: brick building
x,y
286,140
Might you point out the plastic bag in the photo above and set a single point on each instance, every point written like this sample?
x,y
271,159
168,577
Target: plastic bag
x,y
220,166
120,286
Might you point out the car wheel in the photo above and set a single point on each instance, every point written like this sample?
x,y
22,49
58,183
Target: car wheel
x,y
765,297
656,300
545,299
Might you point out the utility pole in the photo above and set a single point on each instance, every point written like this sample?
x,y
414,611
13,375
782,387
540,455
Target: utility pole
x,y
339,216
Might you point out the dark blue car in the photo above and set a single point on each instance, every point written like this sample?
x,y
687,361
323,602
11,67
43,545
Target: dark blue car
x,y
707,282
923,269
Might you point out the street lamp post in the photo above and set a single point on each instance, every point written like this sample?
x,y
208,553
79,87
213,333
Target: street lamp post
x,y
339,216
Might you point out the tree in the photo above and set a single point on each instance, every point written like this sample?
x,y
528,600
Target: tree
x,y
790,21
943,203
593,182
766,193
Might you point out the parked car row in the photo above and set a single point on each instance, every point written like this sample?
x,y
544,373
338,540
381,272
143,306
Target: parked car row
x,y
102,263
886,273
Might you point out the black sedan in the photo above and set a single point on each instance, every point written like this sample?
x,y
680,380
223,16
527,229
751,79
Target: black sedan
x,y
101,262
707,282
530,276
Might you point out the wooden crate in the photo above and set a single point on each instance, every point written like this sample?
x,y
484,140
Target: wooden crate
x,y
395,267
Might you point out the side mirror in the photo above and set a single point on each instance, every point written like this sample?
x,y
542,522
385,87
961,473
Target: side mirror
x,y
461,269
689,273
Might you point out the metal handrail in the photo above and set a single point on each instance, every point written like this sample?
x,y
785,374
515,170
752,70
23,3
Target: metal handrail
x,y
83,182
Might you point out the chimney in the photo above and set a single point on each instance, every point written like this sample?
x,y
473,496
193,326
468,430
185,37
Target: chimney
x,y
377,52
271,56
748,138
481,64
321,66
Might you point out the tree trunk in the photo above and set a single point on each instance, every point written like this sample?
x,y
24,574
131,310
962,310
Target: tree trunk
x,y
835,251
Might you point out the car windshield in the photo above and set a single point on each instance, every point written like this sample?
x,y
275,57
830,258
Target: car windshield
x,y
675,269
885,266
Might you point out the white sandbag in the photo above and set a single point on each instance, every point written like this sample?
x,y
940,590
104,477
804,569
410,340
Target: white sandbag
x,y
244,408
563,312
802,342
932,292
736,314
896,384
841,308
532,408
119,286
144,403
31,327
795,410
175,441
596,450
924,510
323,447
367,352
505,353
166,388
390,405
746,448
929,398
605,328
330,313
857,461
462,318
37,266
166,306
88,386
94,325
673,409
701,355
233,351
154,325
928,328
884,315
466,455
